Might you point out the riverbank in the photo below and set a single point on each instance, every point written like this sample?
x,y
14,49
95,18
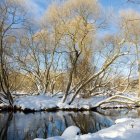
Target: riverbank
x,y
124,129
49,103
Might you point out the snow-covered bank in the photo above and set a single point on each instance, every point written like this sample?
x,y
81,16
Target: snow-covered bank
x,y
46,102
124,129
37,103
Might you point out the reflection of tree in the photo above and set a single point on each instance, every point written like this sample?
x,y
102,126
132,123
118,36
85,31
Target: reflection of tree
x,y
138,110
102,120
47,124
43,125
38,128
81,121
57,125
65,121
4,129
114,113
91,122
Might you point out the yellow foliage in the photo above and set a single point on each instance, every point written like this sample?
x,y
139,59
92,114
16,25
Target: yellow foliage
x,y
130,21
82,8
11,39
21,82
42,35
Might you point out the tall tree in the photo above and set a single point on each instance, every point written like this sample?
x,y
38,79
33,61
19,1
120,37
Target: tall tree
x,y
12,17
76,23
130,25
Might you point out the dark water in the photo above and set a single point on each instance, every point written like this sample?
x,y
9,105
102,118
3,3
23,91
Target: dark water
x,y
20,126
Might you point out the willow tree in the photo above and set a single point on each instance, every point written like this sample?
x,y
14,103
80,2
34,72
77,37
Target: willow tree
x,y
130,25
76,23
73,25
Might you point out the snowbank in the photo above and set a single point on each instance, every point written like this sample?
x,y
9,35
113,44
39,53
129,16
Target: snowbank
x,y
37,103
122,120
45,102
125,129
71,131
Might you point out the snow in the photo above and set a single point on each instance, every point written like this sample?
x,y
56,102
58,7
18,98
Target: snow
x,y
122,120
46,102
49,102
38,102
125,129
71,131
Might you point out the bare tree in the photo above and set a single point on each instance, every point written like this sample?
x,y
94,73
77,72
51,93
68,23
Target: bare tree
x,y
75,27
76,23
11,18
130,21
108,61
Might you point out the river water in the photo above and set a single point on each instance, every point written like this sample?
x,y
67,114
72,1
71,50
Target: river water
x,y
21,126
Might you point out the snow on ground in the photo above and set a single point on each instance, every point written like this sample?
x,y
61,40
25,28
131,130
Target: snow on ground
x,y
122,120
46,102
124,129
38,102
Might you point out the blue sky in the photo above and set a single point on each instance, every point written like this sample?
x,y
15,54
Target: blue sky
x,y
39,6
119,4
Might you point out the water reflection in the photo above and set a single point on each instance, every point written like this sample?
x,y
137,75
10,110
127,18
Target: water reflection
x,y
121,113
4,126
20,126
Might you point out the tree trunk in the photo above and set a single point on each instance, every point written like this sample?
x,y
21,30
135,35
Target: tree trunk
x,y
138,62
68,86
4,80
10,98
40,88
105,66
74,61
139,80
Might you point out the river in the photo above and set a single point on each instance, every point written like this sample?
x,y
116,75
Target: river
x,y
27,126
